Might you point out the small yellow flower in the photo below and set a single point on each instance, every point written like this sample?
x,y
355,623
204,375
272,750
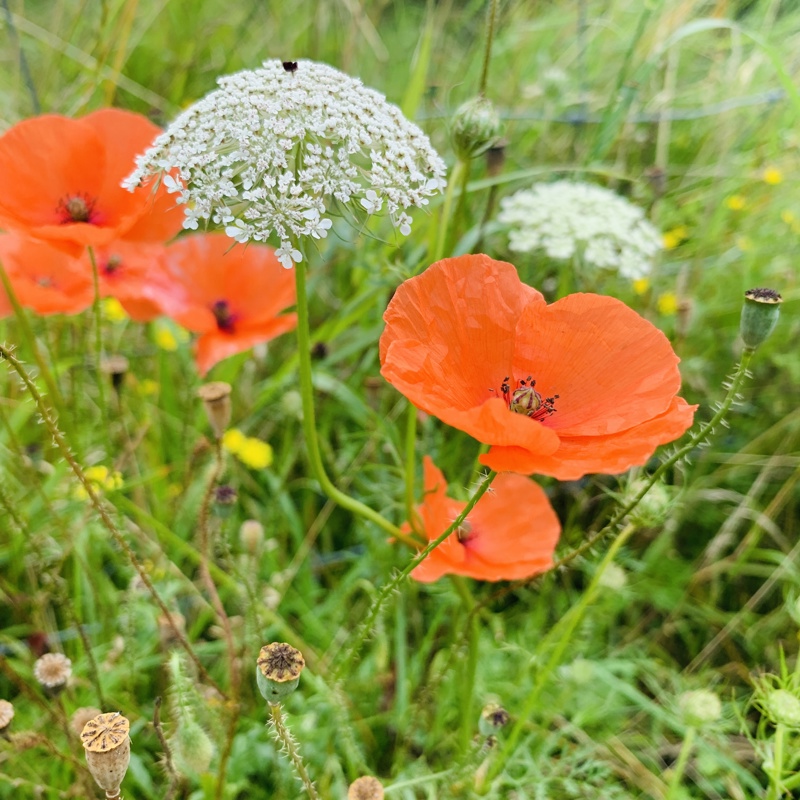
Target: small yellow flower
x,y
667,303
113,310
772,175
165,339
255,454
641,285
101,478
743,243
233,440
148,387
674,236
736,202
788,216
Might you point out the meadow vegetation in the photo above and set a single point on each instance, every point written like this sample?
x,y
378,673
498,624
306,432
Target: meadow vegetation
x,y
159,544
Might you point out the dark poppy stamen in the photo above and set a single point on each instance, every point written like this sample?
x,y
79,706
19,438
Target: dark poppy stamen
x,y
222,313
76,208
112,264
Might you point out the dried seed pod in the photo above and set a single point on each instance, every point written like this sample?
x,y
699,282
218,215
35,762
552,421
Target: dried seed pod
x,y
216,397
6,715
278,669
365,788
107,744
52,670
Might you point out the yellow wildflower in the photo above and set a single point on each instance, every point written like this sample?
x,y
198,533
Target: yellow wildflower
x,y
736,202
667,303
165,339
743,243
255,453
788,216
113,310
232,440
101,478
772,175
674,236
148,387
641,285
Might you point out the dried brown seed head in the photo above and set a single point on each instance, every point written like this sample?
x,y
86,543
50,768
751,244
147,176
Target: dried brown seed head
x,y
280,662
107,743
366,788
52,670
6,714
81,716
216,397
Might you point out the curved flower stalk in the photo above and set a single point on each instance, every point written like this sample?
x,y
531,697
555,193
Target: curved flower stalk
x,y
565,218
583,385
272,148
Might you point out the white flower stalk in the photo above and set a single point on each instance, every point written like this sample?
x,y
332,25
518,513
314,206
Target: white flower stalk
x,y
565,219
271,150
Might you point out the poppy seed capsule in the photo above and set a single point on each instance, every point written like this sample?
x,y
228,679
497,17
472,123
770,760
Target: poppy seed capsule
x,y
107,743
476,127
760,313
278,670
365,788
216,397
525,400
6,715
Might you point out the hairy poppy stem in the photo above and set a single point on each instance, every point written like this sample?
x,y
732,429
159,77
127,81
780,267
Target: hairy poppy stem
x,y
559,637
363,631
98,336
460,168
487,54
284,738
102,510
309,422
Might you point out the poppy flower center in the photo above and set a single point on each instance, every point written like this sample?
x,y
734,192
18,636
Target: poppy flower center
x,y
77,208
222,313
524,399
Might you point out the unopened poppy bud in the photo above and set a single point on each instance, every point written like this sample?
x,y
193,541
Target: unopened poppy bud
x,y
225,498
278,670
365,788
476,127
700,708
6,715
653,509
251,535
760,313
493,719
782,707
216,397
107,743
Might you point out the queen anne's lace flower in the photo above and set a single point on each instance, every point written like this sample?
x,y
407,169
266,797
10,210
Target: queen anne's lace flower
x,y
567,218
271,148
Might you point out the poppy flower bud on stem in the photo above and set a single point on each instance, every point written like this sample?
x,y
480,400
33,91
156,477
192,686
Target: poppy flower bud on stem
x,y
216,397
760,313
107,744
476,127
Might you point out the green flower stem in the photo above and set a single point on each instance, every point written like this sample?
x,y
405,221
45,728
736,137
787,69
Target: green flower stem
x,y
487,54
309,424
736,384
98,335
102,510
559,636
776,786
680,764
365,628
459,168
470,666
287,742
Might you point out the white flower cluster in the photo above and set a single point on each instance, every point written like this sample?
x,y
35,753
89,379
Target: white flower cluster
x,y
271,147
566,218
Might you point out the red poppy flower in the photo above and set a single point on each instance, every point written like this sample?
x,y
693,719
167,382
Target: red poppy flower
x,y
61,181
582,385
509,535
135,274
233,294
44,278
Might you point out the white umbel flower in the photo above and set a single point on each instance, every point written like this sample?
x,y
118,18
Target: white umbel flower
x,y
565,219
273,149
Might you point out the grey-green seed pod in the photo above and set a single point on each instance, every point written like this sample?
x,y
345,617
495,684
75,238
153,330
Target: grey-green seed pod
x,y
194,749
700,707
493,719
107,743
783,708
278,670
476,127
760,313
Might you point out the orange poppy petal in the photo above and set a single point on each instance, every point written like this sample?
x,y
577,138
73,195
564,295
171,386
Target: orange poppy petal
x,y
214,346
610,455
611,368
510,534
